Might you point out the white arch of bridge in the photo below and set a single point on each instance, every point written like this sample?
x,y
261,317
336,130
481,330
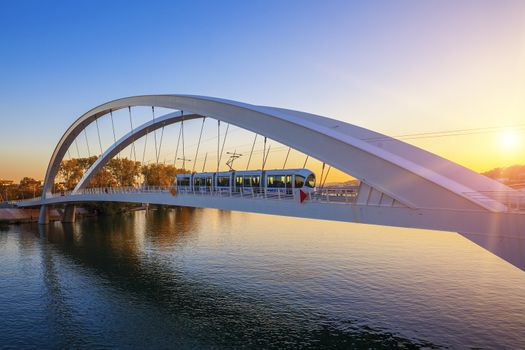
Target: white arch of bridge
x,y
412,176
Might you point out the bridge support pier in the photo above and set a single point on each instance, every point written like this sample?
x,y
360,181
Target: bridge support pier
x,y
69,214
43,217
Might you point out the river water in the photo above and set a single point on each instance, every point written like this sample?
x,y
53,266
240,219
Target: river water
x,y
204,278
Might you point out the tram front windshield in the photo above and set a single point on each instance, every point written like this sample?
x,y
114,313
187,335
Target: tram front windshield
x,y
310,181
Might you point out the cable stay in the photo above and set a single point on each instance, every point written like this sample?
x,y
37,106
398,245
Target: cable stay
x,y
326,177
205,158
218,142
76,145
154,133
183,153
87,143
305,161
286,159
223,142
132,152
198,145
264,152
251,152
144,151
113,129
160,144
322,171
115,141
266,157
113,126
99,140
177,147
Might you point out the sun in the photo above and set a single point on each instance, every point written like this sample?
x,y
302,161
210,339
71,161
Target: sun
x,y
509,140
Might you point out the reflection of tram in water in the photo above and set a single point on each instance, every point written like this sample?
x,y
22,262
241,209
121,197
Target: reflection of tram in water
x,y
251,181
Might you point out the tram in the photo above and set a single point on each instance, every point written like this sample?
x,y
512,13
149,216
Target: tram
x,y
249,181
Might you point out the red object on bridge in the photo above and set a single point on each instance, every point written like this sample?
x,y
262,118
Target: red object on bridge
x,y
302,195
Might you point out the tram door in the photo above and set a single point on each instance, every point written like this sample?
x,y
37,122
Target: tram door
x,y
288,184
209,184
238,183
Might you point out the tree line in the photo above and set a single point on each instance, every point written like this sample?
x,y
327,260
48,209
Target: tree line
x,y
118,172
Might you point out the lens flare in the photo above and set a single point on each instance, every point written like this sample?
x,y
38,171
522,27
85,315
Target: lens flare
x,y
509,140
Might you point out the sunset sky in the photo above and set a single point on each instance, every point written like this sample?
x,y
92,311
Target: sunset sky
x,y
403,68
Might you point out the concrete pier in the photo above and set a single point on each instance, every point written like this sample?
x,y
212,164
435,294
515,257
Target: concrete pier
x,y
69,214
43,218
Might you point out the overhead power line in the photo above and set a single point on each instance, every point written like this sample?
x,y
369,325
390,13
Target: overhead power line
x,y
446,133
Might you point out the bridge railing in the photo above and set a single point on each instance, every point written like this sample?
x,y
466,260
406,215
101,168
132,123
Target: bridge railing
x,y
336,194
16,201
513,200
328,194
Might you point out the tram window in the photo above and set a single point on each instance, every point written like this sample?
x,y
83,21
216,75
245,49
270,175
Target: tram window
x,y
288,182
238,181
299,181
310,181
184,181
223,181
197,181
256,181
247,181
208,181
276,181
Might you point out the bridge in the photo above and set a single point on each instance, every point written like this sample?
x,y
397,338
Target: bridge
x,y
399,184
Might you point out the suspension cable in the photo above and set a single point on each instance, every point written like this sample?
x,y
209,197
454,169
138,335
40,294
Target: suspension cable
x,y
183,153
114,142
177,148
306,160
112,125
205,158
98,132
198,145
322,171
223,142
218,142
264,152
76,145
132,152
154,132
87,143
326,176
286,159
144,151
266,157
160,144
251,152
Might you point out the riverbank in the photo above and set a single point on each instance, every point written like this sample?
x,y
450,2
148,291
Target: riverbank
x,y
23,215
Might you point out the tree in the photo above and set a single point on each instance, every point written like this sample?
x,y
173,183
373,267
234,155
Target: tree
x,y
29,187
124,171
160,174
71,172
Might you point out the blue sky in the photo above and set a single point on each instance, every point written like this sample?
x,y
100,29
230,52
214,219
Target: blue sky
x,y
394,66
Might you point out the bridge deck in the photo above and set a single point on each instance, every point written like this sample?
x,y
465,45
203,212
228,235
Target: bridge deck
x,y
483,227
